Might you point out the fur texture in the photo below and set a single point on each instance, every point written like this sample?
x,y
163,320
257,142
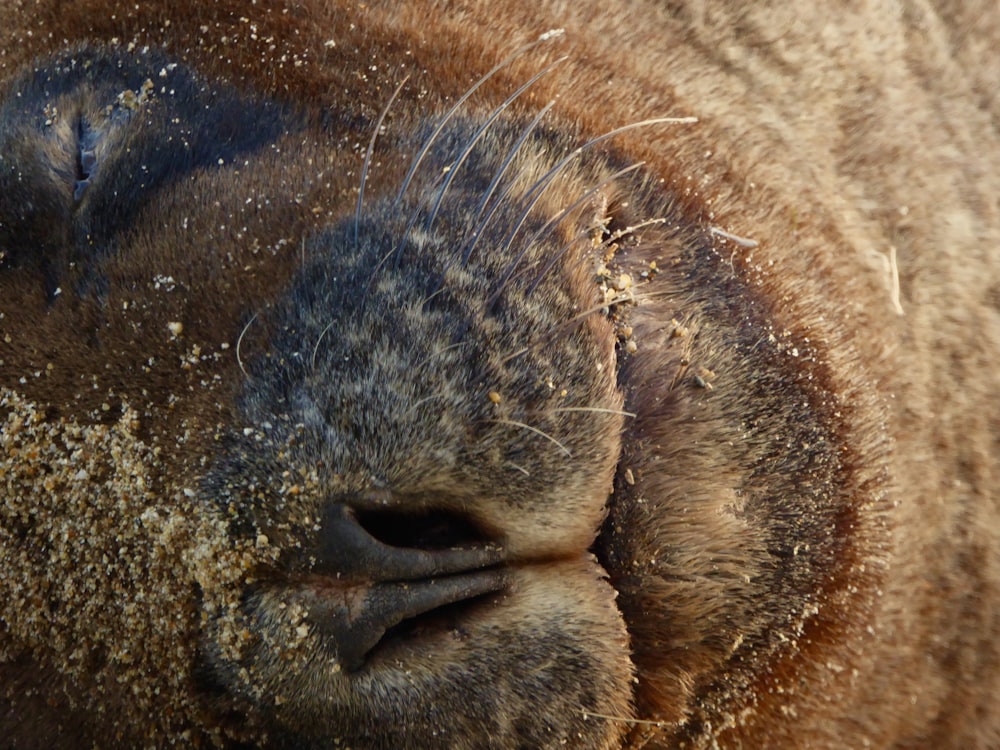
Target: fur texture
x,y
684,437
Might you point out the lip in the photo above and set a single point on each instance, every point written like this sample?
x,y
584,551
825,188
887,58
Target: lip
x,y
539,629
358,620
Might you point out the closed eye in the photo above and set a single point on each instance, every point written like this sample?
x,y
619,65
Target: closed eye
x,y
86,158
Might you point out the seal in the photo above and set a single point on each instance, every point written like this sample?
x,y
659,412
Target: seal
x,y
542,378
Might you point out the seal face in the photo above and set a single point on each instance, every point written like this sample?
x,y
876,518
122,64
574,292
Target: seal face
x,y
464,416
411,458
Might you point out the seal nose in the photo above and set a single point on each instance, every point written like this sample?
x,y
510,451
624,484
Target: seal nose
x,y
350,551
381,585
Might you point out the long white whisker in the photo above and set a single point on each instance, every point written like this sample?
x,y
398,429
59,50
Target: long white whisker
x,y
535,430
462,99
322,334
565,248
488,193
519,468
509,272
368,159
239,343
596,409
479,134
416,404
546,179
580,317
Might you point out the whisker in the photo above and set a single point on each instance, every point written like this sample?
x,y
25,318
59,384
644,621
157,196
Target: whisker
x,y
520,468
374,274
598,409
580,317
322,334
546,179
647,729
439,352
415,164
239,343
514,355
562,214
570,208
625,720
548,176
368,160
488,193
432,295
554,221
522,425
604,243
424,400
631,294
479,134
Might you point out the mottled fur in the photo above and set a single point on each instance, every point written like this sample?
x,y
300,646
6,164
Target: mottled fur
x,y
722,437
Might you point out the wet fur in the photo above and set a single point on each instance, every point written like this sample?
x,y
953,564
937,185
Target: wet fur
x,y
780,442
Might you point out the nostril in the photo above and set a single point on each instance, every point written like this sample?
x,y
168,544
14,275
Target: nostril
x,y
434,530
384,547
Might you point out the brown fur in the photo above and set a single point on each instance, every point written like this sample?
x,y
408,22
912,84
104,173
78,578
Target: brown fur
x,y
726,432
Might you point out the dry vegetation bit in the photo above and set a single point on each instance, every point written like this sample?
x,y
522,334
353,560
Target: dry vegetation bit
x,y
99,576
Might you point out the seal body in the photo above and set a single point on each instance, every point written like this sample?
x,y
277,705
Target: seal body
x,y
585,377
